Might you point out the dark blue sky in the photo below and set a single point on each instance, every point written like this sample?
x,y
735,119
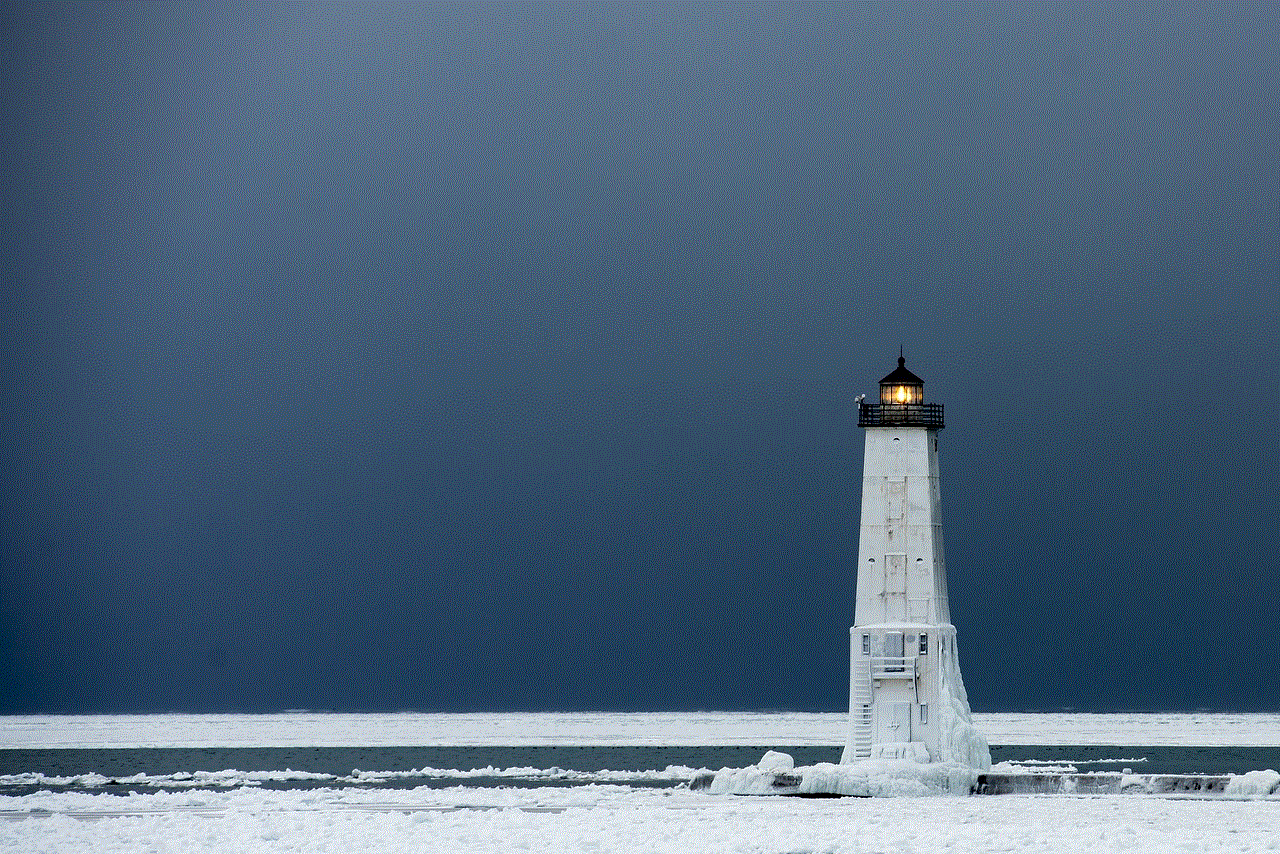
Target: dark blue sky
x,y
503,357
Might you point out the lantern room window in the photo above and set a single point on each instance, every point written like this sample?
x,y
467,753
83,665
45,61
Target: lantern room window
x,y
901,387
900,394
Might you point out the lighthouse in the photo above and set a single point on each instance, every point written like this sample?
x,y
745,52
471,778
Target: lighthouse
x,y
906,698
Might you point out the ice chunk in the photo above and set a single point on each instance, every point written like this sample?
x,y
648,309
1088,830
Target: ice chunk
x,y
1254,784
774,760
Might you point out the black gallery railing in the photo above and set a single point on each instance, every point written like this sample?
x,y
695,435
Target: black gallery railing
x,y
900,415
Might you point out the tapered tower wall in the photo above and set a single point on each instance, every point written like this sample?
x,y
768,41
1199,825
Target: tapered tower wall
x,y
901,567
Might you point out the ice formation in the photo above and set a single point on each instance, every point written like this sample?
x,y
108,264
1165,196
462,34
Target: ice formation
x,y
1254,784
868,778
960,742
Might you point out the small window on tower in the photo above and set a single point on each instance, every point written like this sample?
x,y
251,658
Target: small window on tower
x,y
924,713
866,644
924,644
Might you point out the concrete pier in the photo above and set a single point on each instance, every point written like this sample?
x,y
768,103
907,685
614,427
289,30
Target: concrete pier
x,y
1101,784
788,783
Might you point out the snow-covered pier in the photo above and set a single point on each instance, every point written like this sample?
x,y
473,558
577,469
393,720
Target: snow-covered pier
x,y
1254,784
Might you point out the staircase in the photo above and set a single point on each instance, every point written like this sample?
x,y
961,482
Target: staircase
x,y
860,713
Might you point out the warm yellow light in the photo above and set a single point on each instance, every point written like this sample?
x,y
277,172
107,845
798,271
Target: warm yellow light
x,y
902,394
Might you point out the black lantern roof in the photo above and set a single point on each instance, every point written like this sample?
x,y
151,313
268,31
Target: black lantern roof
x,y
901,376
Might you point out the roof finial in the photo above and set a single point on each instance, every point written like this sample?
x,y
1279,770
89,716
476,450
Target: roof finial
x,y
901,360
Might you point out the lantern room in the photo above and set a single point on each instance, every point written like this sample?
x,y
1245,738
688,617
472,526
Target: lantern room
x,y
901,403
901,386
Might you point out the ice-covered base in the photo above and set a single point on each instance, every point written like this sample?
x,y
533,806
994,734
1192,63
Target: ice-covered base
x,y
871,778
955,741
913,750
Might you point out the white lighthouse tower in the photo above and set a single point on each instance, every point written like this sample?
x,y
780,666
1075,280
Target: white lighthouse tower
x,y
906,698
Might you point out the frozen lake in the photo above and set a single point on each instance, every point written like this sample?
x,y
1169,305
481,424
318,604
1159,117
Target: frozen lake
x,y
603,811
606,728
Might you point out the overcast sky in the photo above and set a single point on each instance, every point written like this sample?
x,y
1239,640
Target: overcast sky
x,y
503,357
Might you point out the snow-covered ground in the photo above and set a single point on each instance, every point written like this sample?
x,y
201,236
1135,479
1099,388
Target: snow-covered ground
x,y
604,819
605,728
